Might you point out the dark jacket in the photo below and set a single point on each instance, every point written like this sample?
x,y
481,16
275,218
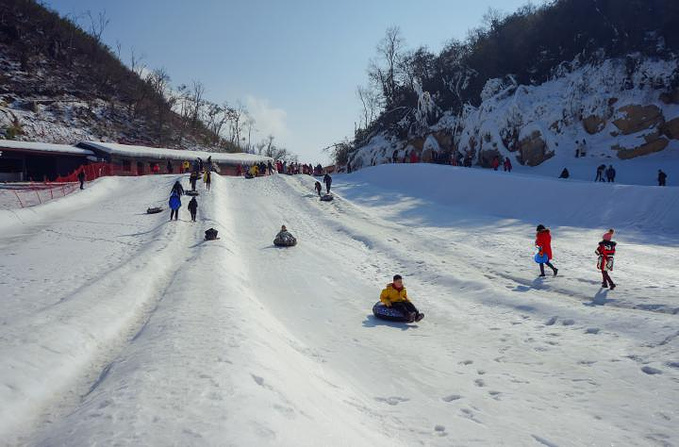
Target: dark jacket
x,y
327,179
193,205
178,188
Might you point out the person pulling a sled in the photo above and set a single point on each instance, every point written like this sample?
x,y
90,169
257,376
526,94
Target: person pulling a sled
x,y
396,296
543,241
606,252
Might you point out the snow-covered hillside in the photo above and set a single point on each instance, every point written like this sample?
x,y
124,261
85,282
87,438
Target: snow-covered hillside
x,y
615,111
123,328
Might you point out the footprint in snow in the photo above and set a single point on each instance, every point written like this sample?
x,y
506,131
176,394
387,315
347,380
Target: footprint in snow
x,y
451,398
551,321
393,400
650,370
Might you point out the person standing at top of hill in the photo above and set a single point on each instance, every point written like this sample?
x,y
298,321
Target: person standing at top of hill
x,y
543,240
169,167
508,165
328,182
610,174
413,156
600,173
606,252
662,178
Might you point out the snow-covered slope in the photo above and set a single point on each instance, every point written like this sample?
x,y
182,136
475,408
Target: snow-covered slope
x,y
626,111
162,338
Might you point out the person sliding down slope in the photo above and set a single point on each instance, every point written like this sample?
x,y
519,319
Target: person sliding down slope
x,y
543,241
284,238
606,252
395,296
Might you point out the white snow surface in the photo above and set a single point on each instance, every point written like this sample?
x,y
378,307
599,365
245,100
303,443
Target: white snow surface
x,y
43,147
120,327
176,154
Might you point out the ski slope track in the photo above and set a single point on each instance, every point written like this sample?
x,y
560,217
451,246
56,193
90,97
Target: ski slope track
x,y
124,328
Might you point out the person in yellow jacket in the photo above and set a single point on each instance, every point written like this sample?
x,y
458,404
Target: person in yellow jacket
x,y
396,296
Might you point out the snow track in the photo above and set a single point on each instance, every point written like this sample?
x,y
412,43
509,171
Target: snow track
x,y
170,340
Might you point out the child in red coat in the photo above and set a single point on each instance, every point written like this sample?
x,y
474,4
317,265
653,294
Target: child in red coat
x,y
606,252
543,241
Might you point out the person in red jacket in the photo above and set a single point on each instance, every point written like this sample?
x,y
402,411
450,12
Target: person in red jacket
x,y
606,252
543,241
413,156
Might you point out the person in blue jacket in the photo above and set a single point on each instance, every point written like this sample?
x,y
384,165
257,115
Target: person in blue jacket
x,y
175,203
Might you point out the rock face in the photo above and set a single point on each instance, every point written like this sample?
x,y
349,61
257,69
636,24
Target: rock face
x,y
637,118
645,149
671,97
533,150
594,124
671,129
486,157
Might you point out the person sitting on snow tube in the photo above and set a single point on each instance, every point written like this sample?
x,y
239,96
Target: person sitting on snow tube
x,y
395,298
284,238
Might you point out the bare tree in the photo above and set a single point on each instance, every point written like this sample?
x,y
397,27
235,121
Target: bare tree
x,y
196,101
384,72
370,101
97,24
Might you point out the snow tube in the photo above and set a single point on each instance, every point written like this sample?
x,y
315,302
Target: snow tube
x,y
248,175
154,210
388,313
541,259
289,241
211,234
327,198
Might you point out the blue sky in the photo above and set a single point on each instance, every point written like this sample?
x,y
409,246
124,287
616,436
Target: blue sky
x,y
294,63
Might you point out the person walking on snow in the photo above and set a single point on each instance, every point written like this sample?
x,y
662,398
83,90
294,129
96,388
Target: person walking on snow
x,y
318,188
177,188
328,182
193,208
81,178
606,252
395,296
175,203
610,174
662,178
207,179
543,240
193,179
